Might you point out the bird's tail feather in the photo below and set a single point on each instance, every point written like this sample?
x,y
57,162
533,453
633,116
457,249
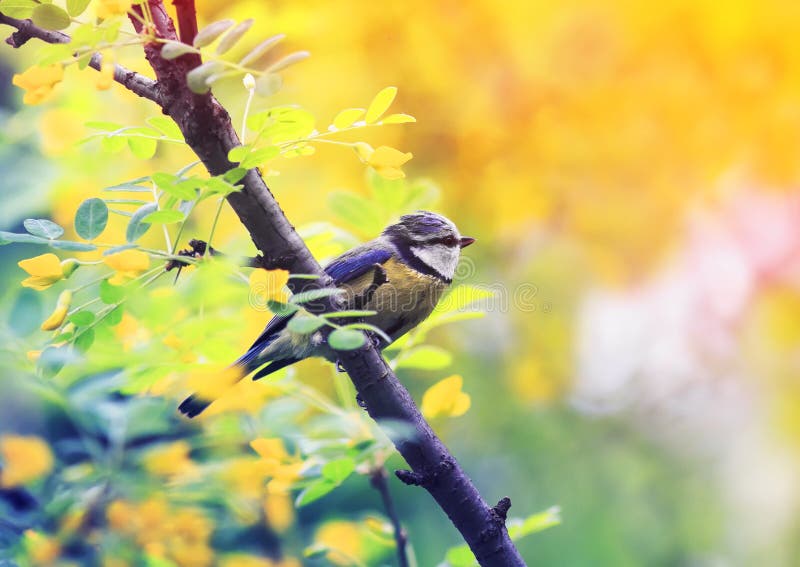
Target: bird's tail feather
x,y
195,404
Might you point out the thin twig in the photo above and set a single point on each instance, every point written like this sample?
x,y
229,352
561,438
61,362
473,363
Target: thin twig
x,y
378,481
131,80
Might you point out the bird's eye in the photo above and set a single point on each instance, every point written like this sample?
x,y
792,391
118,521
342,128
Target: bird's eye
x,y
450,241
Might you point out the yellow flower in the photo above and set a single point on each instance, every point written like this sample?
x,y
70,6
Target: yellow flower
x,y
343,539
446,398
40,548
105,78
25,458
56,318
45,270
169,460
109,8
269,449
267,285
38,82
128,264
385,160
279,510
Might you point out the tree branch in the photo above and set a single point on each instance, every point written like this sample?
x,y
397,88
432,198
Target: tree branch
x,y
134,82
378,480
207,128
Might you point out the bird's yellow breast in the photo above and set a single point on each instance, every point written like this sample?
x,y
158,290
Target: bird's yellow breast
x,y
406,299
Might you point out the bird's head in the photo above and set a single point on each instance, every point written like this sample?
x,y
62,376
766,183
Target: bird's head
x,y
431,239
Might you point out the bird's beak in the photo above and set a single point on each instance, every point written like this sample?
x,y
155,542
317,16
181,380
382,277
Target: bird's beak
x,y
466,241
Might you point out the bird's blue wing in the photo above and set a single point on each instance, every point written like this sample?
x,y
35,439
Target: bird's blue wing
x,y
346,267
356,263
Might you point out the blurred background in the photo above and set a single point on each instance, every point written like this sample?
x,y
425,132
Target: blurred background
x,y
630,171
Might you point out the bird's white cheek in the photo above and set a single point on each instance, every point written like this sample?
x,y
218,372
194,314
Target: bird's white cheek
x,y
441,258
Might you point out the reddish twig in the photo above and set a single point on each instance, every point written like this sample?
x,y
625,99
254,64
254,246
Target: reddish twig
x,y
187,20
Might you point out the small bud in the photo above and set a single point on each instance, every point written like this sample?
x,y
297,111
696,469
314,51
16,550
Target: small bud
x,y
249,82
56,318
364,151
69,266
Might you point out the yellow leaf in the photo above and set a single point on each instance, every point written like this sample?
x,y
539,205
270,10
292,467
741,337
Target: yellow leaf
x,y
380,104
445,398
398,119
25,458
269,448
56,318
268,284
347,117
128,264
386,156
45,270
38,82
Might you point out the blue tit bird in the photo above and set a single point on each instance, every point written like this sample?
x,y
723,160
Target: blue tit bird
x,y
418,257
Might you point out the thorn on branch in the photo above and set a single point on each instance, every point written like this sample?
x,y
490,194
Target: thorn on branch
x,y
501,508
427,478
409,477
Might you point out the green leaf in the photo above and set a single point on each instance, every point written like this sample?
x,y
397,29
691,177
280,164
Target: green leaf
x,y
70,245
21,9
346,339
211,32
164,217
233,36
314,294
286,61
184,189
113,144
91,217
348,313
268,84
111,293
460,556
8,237
50,17
259,157
462,296
130,186
114,316
82,318
143,148
76,7
43,228
234,175
338,470
281,309
83,342
425,358
174,49
120,248
166,126
380,104
259,50
305,324
314,491
372,328
238,153
196,78
534,523
398,119
347,117
136,226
